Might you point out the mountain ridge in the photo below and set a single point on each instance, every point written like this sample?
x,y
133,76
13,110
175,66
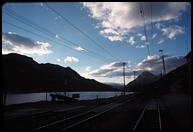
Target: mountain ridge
x,y
22,74
142,81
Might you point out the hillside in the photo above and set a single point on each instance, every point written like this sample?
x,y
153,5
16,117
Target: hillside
x,y
142,82
23,74
178,80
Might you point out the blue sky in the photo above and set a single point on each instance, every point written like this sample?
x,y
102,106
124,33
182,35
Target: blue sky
x,y
117,29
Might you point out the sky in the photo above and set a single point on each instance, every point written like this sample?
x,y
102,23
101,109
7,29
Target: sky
x,y
95,39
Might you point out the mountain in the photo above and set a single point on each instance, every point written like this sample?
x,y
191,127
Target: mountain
x,y
115,85
142,82
178,80
23,74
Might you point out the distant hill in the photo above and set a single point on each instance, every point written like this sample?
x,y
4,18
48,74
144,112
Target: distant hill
x,y
23,74
142,81
178,80
115,85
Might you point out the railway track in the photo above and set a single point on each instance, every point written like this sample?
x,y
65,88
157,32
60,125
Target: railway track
x,y
78,119
43,119
150,117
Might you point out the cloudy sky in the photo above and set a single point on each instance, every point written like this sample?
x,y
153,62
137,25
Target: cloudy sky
x,y
95,38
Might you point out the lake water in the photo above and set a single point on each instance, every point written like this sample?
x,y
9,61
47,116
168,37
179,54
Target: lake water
x,y
34,97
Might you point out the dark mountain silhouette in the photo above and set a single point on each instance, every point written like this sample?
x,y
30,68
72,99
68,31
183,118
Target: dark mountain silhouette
x,y
23,74
178,80
142,82
116,85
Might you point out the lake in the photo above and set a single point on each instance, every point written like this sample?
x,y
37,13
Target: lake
x,y
34,97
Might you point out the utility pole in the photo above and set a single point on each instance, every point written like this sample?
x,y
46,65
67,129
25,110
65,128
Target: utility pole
x,y
65,85
134,74
124,77
46,95
164,68
4,97
134,78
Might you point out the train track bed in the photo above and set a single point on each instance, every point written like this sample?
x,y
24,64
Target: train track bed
x,y
121,117
150,117
36,120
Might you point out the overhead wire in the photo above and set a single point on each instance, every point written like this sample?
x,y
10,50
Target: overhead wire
x,y
82,32
144,26
39,28
187,27
39,35
145,32
151,28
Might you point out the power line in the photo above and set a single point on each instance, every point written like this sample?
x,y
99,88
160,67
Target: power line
x,y
145,32
39,35
34,25
144,25
82,32
22,19
151,27
124,78
186,28
163,62
143,17
158,33
41,29
62,44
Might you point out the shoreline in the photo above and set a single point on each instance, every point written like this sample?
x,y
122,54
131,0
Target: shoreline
x,y
12,99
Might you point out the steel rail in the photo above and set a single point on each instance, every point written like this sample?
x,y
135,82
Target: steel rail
x,y
140,117
79,115
94,116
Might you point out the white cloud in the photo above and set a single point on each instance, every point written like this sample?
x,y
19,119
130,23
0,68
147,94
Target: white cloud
x,y
140,46
87,68
160,41
158,25
14,43
112,35
79,48
107,79
150,63
41,4
131,40
70,59
143,38
57,36
154,35
11,33
154,63
129,62
109,70
172,31
117,19
139,34
112,65
58,59
115,38
114,73
58,17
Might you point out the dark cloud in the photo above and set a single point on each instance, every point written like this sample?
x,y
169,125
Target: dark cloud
x,y
117,64
151,63
155,65
107,70
120,73
12,42
101,72
18,40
